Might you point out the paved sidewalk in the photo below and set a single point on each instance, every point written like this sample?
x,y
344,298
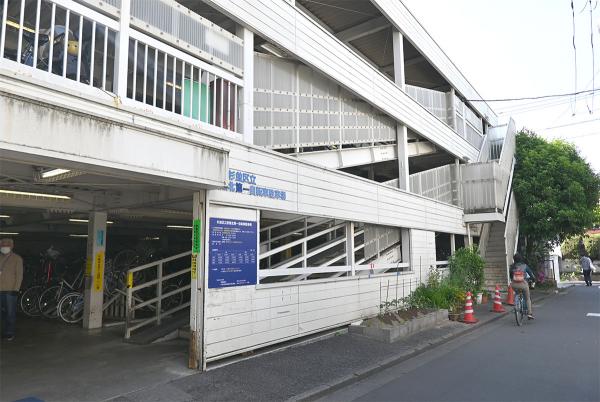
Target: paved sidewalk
x,y
307,371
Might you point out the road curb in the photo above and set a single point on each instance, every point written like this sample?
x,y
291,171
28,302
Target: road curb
x,y
344,381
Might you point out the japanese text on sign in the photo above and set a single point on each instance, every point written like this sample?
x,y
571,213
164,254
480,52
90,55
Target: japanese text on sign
x,y
232,253
245,183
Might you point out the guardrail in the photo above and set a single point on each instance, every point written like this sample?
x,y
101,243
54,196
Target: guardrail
x,y
153,293
73,46
437,183
61,38
434,101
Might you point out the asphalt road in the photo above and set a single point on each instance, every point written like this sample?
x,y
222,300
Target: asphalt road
x,y
553,358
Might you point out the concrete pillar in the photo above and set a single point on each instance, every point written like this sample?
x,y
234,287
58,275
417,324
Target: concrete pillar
x,y
122,51
350,245
451,109
405,238
94,272
247,98
401,130
371,172
196,359
457,184
398,45
469,236
452,244
402,146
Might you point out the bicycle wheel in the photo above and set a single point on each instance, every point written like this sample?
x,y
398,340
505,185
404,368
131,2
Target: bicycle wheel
x,y
125,259
29,301
175,300
70,307
49,301
519,309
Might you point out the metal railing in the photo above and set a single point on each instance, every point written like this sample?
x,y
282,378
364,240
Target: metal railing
x,y
434,101
61,38
311,248
182,29
151,294
170,80
296,106
484,187
511,230
437,183
72,46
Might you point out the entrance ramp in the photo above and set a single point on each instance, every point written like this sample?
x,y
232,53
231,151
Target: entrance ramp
x,y
168,327
158,298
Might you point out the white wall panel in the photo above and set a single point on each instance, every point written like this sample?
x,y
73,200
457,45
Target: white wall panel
x,y
422,256
298,34
274,313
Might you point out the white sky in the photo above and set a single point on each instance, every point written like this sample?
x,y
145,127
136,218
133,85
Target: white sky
x,y
523,48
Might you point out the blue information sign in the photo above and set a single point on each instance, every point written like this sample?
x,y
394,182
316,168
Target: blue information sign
x,y
232,253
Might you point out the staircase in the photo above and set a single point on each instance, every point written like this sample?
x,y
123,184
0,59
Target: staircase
x,y
495,272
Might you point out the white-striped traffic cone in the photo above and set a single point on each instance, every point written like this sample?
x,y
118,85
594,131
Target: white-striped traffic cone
x,y
469,317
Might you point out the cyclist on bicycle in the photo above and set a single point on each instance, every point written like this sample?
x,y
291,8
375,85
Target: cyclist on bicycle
x,y
519,273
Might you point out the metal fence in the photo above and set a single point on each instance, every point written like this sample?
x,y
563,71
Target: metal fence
x,y
170,20
175,82
181,28
434,101
76,45
295,106
484,187
60,38
437,183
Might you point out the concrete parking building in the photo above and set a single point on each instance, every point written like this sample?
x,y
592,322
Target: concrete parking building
x,y
256,170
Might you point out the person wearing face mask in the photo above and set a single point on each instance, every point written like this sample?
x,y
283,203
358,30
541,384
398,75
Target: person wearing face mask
x,y
11,276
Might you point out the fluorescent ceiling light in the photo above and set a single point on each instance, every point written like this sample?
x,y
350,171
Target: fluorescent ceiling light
x,y
78,235
179,227
8,233
85,221
54,172
4,216
274,50
60,197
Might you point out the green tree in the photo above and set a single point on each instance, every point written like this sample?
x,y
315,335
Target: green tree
x,y
556,190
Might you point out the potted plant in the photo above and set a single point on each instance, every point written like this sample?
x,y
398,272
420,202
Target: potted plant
x,y
454,312
485,297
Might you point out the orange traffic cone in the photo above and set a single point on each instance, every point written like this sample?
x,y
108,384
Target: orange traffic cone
x,y
469,317
498,302
510,297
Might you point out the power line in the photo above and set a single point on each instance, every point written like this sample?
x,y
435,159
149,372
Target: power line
x,y
535,97
568,124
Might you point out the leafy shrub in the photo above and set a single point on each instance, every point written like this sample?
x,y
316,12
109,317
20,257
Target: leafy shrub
x,y
570,248
466,269
438,293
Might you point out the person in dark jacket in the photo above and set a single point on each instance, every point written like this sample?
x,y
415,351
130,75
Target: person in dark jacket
x,y
587,266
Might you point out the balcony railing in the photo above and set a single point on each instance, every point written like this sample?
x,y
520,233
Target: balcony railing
x,y
181,28
468,124
439,183
70,45
434,101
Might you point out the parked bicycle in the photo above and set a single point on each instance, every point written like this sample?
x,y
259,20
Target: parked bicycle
x,y
50,297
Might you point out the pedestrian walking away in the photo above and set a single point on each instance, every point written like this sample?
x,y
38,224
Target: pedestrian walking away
x,y
587,267
11,276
